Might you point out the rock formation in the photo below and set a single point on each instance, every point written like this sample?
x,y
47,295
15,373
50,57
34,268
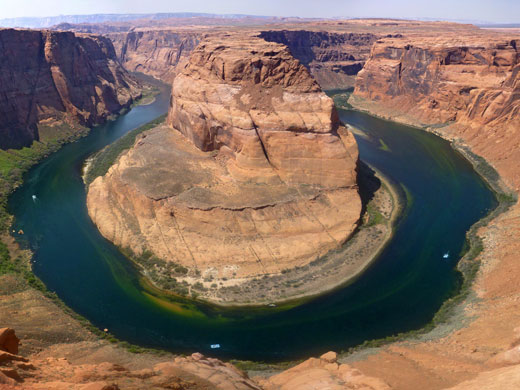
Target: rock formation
x,y
460,76
49,77
436,80
333,58
256,176
155,52
44,372
322,373
8,341
467,85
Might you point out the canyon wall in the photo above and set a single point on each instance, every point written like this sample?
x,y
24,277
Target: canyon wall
x,y
470,85
155,52
47,77
333,58
255,174
440,82
466,88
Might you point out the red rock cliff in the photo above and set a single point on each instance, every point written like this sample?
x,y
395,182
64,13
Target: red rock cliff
x,y
333,58
255,174
155,52
45,76
442,80
253,99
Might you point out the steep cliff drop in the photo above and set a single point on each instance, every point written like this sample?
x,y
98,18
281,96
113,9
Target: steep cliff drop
x,y
49,78
155,52
468,86
333,58
467,89
256,177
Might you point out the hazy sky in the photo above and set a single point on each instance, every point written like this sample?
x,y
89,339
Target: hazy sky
x,y
489,10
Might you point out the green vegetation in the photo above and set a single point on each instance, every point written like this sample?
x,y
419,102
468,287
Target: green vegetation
x,y
161,272
15,162
384,146
248,365
105,158
374,216
341,100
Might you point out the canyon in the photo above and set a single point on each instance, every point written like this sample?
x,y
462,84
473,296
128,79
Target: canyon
x,y
255,176
456,80
52,79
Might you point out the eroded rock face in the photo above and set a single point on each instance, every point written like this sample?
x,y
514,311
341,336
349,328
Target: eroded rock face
x,y
51,76
45,371
252,99
436,80
255,174
322,373
333,58
8,341
155,52
470,85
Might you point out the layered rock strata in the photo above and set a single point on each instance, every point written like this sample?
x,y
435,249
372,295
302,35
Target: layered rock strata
x,y
469,86
437,80
466,89
333,58
255,174
155,52
48,77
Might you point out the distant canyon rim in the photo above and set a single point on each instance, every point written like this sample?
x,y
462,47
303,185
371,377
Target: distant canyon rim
x,y
461,81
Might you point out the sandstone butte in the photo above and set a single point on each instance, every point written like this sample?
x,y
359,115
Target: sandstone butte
x,y
254,175
482,352
50,78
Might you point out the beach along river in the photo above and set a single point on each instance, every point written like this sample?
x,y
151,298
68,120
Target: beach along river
x,y
401,291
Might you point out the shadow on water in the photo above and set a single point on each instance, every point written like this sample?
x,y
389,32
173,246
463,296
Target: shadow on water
x,y
401,291
368,184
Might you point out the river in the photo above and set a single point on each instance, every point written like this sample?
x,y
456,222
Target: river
x,y
401,291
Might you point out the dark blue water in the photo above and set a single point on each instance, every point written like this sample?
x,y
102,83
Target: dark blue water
x,y
401,291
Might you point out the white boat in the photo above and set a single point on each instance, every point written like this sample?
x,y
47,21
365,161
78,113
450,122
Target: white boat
x,y
215,346
446,255
34,198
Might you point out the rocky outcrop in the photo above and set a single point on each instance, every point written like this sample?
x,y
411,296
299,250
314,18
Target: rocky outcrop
x,y
8,341
473,83
155,52
322,373
51,77
468,86
255,176
46,372
260,105
333,58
